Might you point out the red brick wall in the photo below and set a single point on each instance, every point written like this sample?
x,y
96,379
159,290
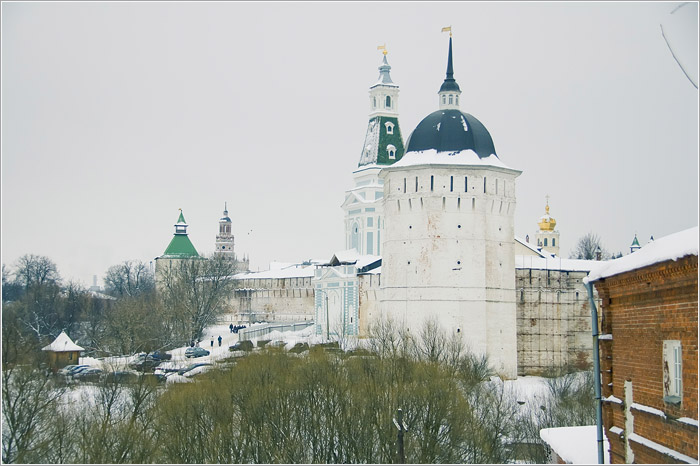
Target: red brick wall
x,y
641,309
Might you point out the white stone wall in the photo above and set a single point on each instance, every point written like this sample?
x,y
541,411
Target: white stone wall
x,y
273,300
449,254
554,320
369,292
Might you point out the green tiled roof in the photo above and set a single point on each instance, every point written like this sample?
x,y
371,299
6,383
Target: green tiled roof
x,y
180,247
635,242
181,219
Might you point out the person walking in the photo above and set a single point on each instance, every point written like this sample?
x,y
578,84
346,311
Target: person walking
x,y
230,327
212,341
219,340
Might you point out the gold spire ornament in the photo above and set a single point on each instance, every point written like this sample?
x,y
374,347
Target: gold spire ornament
x,y
546,222
447,29
382,48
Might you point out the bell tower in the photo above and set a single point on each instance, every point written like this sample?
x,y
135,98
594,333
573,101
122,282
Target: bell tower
x,y
224,240
547,236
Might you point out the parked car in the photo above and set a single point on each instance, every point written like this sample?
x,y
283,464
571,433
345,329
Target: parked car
x,y
245,345
161,355
120,377
90,374
192,366
196,352
68,369
144,362
78,370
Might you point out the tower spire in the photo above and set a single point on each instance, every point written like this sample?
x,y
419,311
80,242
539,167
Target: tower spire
x,y
449,91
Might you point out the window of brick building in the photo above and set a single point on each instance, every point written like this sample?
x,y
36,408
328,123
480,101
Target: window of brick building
x,y
672,371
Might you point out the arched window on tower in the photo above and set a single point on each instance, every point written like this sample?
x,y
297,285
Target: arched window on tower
x,y
391,150
443,98
450,99
389,127
374,102
554,242
388,101
545,242
456,100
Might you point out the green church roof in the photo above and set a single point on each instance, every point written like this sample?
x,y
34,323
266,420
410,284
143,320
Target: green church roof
x,y
181,218
180,247
635,242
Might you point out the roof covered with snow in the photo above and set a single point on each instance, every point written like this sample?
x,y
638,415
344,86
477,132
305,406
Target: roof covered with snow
x,y
464,157
534,249
62,343
576,445
554,263
671,247
289,271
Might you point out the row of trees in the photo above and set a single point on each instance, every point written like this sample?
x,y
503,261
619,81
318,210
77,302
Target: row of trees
x,y
131,317
276,407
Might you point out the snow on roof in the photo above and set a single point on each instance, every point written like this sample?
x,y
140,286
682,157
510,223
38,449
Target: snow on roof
x,y
433,157
554,263
576,445
671,247
62,343
290,271
537,251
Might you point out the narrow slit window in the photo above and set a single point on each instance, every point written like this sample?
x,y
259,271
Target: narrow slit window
x,y
484,185
459,199
416,184
404,185
451,183
432,179
466,185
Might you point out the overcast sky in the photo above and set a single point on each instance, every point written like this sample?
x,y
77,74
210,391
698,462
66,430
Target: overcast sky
x,y
114,115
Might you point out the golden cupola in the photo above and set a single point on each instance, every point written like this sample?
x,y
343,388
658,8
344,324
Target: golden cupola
x,y
547,223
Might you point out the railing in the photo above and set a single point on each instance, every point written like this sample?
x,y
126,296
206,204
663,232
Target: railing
x,y
262,330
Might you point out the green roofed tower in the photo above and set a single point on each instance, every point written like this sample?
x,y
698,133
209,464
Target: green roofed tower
x,y
364,219
180,246
383,141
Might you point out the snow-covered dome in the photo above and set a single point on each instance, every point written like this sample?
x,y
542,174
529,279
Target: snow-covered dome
x,y
451,130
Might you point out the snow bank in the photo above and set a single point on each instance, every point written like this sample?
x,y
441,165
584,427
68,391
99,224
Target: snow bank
x,y
671,247
576,445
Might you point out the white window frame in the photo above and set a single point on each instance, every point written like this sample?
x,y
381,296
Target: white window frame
x,y
391,150
389,127
672,371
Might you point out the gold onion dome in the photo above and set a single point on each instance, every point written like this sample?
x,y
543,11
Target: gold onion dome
x,y
546,222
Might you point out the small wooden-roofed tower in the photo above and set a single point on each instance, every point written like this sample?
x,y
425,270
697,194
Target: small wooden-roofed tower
x,y
62,352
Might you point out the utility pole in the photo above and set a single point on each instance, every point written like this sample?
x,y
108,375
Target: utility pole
x,y
401,426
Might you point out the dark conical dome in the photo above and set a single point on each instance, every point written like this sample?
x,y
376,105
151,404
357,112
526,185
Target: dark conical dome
x,y
451,131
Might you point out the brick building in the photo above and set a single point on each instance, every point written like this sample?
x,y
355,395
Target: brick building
x,y
649,351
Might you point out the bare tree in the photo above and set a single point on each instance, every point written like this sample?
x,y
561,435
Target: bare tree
x,y
28,400
195,291
31,269
587,247
130,278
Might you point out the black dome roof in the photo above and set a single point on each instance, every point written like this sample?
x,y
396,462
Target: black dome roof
x,y
451,131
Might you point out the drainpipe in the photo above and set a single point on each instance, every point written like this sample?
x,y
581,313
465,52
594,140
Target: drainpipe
x,y
596,372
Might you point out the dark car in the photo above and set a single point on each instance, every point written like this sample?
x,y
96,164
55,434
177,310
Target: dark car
x,y
192,366
161,356
245,345
196,352
91,374
144,362
121,377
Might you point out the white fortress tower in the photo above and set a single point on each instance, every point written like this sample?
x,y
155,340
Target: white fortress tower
x,y
448,250
364,217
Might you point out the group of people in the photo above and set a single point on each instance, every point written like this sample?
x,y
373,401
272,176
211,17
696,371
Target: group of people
x,y
235,328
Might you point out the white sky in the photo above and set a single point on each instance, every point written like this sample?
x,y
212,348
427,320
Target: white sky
x,y
114,115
